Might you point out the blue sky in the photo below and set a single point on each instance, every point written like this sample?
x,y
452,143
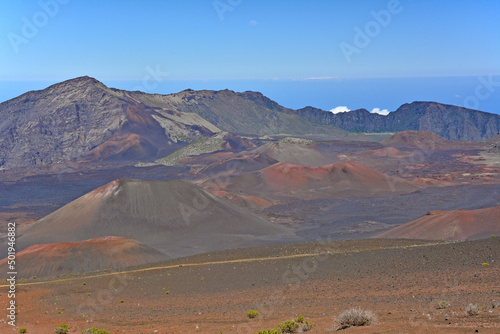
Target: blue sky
x,y
271,46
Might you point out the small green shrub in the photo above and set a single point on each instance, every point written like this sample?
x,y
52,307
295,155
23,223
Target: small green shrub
x,y
61,329
299,319
94,330
252,314
355,317
442,304
271,331
22,330
288,327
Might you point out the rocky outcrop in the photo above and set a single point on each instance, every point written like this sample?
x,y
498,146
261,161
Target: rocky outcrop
x,y
450,122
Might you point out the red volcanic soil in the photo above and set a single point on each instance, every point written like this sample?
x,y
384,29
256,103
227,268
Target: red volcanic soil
x,y
122,146
349,176
442,181
389,152
84,256
400,281
349,179
425,140
251,202
450,225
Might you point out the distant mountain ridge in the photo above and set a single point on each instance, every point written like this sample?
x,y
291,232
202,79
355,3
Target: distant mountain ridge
x,y
82,118
448,121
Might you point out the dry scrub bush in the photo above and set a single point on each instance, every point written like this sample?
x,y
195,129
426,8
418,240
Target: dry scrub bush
x,y
355,317
472,309
442,304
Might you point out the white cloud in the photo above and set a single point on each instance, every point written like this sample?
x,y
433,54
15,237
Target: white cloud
x,y
321,78
383,112
340,109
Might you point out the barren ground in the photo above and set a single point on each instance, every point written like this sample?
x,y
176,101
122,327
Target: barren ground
x,y
401,281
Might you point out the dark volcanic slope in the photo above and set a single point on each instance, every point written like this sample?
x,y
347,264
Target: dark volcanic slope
x,y
450,225
83,256
450,122
175,216
242,113
68,119
34,127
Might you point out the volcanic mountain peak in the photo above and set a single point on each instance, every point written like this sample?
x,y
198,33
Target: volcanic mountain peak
x,y
34,127
79,81
167,215
103,191
104,124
